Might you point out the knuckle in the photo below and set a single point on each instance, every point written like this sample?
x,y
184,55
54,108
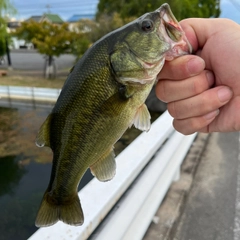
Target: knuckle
x,y
172,109
207,103
189,126
180,127
161,91
198,85
195,125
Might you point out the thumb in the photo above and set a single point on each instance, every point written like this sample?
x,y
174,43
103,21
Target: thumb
x,y
199,30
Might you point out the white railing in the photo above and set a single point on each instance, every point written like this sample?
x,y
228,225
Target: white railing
x,y
123,208
29,93
30,97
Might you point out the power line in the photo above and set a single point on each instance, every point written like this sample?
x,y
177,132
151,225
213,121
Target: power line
x,y
74,6
57,6
90,9
68,3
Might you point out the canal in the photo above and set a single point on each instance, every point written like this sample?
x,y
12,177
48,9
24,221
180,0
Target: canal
x,y
25,169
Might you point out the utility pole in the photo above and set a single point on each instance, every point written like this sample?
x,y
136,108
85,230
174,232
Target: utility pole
x,y
8,54
48,6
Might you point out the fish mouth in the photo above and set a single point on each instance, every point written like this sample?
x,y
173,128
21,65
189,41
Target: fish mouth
x,y
173,34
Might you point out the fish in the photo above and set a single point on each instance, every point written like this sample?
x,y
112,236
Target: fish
x,y
103,95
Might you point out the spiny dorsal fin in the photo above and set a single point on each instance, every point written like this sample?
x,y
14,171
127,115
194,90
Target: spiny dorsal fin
x,y
105,168
142,118
43,137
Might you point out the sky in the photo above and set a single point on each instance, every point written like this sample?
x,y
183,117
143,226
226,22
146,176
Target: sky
x,y
64,8
26,8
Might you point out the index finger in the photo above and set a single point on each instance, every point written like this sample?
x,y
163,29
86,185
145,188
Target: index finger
x,y
182,67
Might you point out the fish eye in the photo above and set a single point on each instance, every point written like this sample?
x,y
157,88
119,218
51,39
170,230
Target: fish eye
x,y
147,25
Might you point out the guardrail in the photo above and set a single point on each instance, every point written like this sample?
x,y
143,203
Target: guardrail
x,y
30,93
123,208
12,96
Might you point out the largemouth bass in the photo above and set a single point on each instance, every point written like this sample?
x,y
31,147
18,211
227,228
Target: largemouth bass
x,y
103,96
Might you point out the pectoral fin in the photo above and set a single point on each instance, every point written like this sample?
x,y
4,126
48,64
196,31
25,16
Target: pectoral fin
x,y
105,168
43,137
142,118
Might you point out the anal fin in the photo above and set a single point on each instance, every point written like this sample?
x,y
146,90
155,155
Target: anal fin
x,y
105,168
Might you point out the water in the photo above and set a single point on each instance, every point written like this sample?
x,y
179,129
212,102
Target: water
x,y
20,196
25,169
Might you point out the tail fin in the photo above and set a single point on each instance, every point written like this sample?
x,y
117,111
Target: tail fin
x,y
50,213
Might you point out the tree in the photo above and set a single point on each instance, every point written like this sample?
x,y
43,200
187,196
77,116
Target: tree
x,y
180,8
49,39
109,22
5,9
89,31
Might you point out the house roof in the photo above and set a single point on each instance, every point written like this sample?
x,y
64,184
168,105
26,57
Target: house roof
x,y
54,18
34,18
77,17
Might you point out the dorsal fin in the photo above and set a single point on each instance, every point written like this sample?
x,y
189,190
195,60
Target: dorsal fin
x,y
43,136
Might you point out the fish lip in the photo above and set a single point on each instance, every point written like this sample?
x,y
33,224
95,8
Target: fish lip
x,y
167,16
180,47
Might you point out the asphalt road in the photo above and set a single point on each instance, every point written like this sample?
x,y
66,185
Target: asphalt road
x,y
204,204
31,60
212,209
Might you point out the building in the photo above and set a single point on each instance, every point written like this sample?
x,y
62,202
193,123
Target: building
x,y
12,25
76,18
52,18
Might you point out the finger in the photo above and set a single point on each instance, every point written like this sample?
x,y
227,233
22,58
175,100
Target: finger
x,y
182,67
196,124
201,104
199,30
169,91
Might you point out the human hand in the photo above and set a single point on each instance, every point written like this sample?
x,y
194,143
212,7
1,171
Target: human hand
x,y
203,91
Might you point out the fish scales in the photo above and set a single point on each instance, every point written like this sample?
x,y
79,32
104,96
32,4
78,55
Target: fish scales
x,y
103,95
